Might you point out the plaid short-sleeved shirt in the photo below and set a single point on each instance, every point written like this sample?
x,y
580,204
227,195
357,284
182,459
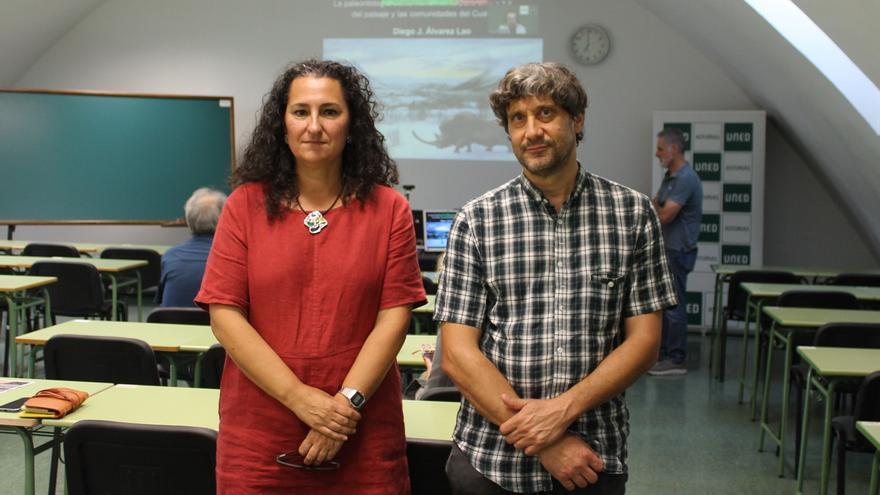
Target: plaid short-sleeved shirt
x,y
550,292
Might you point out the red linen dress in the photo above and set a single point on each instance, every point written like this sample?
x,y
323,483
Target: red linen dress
x,y
314,299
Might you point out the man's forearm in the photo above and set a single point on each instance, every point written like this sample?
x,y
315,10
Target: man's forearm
x,y
475,376
622,367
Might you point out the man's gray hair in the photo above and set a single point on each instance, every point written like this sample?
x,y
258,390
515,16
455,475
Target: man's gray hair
x,y
547,79
674,136
202,210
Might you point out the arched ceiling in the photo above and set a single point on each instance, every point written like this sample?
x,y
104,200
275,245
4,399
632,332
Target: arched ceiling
x,y
840,146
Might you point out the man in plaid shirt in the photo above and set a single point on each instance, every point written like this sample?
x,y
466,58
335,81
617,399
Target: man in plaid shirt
x,y
550,303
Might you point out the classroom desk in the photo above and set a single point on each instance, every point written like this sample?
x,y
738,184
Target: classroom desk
x,y
109,267
786,321
722,276
161,337
140,404
12,289
871,431
759,294
87,248
423,313
834,364
26,428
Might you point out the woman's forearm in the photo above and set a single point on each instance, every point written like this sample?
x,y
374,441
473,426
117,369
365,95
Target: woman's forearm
x,y
379,350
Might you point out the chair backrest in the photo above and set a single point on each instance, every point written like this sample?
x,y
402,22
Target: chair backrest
x,y
100,359
212,366
149,274
859,279
78,292
430,286
868,399
427,466
447,394
737,297
111,457
862,335
818,299
41,249
180,316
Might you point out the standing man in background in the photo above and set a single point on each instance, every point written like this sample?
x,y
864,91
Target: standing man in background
x,y
550,301
679,204
184,265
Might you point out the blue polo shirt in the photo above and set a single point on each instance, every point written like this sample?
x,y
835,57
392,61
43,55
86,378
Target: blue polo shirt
x,y
683,187
182,269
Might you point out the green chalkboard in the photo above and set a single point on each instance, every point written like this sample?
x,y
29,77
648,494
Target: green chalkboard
x,y
81,157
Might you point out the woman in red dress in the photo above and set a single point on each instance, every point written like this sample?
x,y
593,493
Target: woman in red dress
x,y
310,283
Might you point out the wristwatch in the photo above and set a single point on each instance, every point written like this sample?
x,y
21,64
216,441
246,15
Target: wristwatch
x,y
355,398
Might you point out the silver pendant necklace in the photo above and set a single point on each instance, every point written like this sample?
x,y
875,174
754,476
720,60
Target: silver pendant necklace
x,y
315,220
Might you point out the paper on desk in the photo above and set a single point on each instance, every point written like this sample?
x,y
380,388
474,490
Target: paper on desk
x,y
6,385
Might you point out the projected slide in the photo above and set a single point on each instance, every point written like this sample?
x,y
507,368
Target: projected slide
x,y
434,92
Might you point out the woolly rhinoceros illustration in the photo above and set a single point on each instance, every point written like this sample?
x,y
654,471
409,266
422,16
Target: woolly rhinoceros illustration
x,y
465,129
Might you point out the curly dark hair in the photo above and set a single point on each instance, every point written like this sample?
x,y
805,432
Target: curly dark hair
x,y
268,159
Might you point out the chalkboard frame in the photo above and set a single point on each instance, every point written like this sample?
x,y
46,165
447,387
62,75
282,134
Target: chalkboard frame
x,y
223,101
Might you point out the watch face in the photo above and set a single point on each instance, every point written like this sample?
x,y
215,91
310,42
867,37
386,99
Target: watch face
x,y
590,44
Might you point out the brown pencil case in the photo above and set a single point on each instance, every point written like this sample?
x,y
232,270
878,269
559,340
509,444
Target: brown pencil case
x,y
54,402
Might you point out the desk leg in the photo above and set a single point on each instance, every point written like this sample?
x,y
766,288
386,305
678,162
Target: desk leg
x,y
114,289
197,370
805,426
786,393
28,442
140,297
713,339
745,360
12,349
753,398
765,396
32,360
826,437
874,489
172,371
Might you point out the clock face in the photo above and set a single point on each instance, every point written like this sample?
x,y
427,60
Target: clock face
x,y
590,44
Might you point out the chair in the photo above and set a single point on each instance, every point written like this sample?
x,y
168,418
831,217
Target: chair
x,y
78,292
860,335
112,457
180,316
149,274
447,394
212,366
96,359
844,427
736,309
858,279
427,466
430,286
100,359
40,249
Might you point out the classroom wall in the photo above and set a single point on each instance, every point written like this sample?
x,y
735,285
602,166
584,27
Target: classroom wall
x,y
232,48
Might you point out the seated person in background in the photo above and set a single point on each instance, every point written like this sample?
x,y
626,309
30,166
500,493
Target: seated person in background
x,y
434,376
184,265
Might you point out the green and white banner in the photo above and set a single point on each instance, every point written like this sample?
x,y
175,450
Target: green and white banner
x,y
726,149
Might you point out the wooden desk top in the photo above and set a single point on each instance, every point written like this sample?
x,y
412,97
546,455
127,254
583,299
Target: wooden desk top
x,y
816,317
427,308
841,361
15,283
871,430
85,247
774,290
410,353
429,420
103,265
142,404
160,337
803,271
12,419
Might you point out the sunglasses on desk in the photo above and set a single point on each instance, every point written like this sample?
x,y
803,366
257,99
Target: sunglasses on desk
x,y
296,460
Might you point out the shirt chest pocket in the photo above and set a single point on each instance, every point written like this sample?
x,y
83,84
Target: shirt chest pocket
x,y
602,296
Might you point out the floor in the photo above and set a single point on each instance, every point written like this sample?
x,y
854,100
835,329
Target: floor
x,y
688,436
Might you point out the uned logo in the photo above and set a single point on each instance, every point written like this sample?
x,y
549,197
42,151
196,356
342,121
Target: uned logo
x,y
710,228
737,197
738,137
736,255
708,166
694,308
